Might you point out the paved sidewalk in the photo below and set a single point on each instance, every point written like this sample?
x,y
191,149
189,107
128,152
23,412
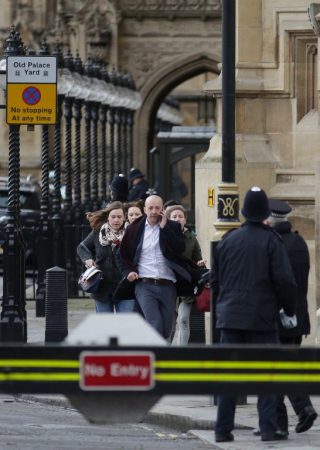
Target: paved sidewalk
x,y
194,414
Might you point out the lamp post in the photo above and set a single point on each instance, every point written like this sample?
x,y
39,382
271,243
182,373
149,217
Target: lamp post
x,y
13,315
45,232
228,197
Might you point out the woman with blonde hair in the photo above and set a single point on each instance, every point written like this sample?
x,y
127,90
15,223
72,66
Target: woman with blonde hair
x,y
100,249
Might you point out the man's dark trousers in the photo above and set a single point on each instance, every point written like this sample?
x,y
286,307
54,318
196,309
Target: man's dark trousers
x,y
158,305
267,404
298,402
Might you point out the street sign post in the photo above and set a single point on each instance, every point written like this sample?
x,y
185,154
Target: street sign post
x,y
31,90
116,370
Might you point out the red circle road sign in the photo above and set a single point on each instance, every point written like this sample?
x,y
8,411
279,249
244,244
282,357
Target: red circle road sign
x,y
31,95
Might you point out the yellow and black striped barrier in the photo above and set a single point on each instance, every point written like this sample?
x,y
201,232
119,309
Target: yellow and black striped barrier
x,y
160,370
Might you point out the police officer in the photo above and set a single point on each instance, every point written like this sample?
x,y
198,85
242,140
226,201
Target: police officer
x,y
139,185
251,278
299,258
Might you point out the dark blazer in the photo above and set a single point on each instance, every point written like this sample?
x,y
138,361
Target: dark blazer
x,y
252,279
300,262
171,243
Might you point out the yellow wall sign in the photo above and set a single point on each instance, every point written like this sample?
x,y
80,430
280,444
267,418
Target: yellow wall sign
x,y
31,90
211,196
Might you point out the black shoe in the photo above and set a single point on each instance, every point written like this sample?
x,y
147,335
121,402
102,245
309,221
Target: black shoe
x,y
306,418
227,437
278,435
256,432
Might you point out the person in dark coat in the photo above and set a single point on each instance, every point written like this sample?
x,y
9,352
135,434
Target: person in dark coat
x,y
139,185
100,249
299,258
251,280
150,254
119,188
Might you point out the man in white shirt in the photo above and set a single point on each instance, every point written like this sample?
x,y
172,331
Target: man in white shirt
x,y
151,256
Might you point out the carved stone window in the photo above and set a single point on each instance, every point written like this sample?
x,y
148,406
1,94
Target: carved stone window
x,y
305,57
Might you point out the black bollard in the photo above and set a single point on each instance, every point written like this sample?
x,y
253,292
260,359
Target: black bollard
x,y
197,326
56,305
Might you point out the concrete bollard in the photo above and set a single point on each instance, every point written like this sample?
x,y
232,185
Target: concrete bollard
x,y
56,305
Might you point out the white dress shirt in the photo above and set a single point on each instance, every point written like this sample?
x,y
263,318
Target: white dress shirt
x,y
152,263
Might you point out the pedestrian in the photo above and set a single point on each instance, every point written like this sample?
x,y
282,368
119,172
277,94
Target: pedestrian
x,y
170,202
193,252
251,280
119,188
139,185
151,258
100,249
300,262
134,210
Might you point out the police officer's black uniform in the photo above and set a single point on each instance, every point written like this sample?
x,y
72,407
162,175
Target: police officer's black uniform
x,y
300,262
252,279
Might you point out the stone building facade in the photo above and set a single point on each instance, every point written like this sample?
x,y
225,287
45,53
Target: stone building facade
x,y
161,42
277,117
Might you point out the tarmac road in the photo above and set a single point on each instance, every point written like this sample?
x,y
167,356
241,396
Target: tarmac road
x,y
35,426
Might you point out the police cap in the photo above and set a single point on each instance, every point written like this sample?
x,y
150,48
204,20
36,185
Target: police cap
x,y
279,208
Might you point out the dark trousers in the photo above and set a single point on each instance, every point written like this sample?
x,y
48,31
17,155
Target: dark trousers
x,y
267,404
298,402
158,305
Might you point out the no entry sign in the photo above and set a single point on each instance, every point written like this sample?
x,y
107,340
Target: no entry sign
x,y
31,90
105,371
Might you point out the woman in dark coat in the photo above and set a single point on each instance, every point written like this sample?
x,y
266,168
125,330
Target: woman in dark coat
x,y
100,249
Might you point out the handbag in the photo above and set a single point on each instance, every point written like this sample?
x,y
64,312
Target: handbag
x,y
124,290
90,280
203,299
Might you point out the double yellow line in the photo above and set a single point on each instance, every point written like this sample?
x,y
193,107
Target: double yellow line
x,y
271,376
39,364
304,371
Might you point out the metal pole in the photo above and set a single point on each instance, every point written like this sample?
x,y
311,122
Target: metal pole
x,y
45,237
228,196
103,154
111,135
87,171
130,121
228,90
130,116
77,115
94,160
118,122
68,216
13,314
113,120
56,201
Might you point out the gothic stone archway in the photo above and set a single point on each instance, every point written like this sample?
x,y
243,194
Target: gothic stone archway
x,y
153,93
